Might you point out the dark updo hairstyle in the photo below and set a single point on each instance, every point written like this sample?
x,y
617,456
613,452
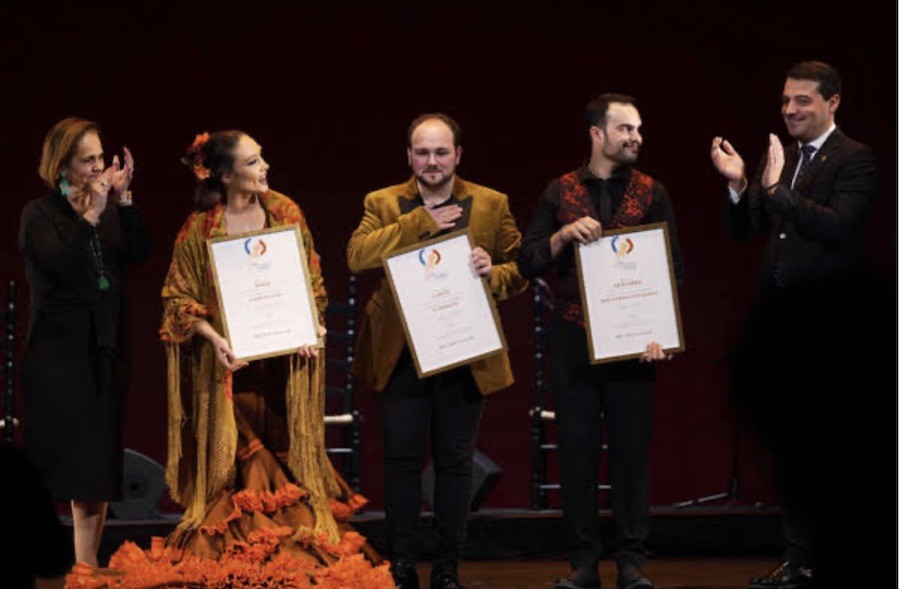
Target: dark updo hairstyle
x,y
210,157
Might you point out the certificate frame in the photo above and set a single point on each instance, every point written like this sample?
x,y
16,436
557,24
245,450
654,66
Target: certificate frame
x,y
585,301
485,289
305,299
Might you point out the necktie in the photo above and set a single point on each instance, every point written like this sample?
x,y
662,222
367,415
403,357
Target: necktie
x,y
806,153
605,204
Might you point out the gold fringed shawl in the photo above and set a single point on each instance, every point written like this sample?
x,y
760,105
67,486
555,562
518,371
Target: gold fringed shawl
x,y
202,434
307,458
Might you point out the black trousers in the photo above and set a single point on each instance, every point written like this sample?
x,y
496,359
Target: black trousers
x,y
807,384
582,394
448,406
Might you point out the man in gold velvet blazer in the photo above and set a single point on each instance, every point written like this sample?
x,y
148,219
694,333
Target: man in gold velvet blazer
x,y
448,405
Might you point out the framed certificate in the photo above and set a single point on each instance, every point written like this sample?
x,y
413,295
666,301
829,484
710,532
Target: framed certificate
x,y
628,293
447,311
264,291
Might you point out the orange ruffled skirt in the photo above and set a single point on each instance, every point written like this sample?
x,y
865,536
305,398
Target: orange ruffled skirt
x,y
258,534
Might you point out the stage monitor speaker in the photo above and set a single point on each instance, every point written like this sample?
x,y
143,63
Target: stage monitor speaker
x,y
144,482
485,473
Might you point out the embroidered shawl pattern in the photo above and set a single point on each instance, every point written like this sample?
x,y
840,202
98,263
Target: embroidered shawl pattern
x,y
202,435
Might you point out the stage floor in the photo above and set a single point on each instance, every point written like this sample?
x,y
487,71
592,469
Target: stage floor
x,y
509,536
689,548
666,573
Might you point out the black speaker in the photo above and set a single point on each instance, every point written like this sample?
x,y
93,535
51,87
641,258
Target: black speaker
x,y
485,473
144,481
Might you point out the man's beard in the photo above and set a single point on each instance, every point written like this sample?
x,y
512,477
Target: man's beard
x,y
445,179
623,156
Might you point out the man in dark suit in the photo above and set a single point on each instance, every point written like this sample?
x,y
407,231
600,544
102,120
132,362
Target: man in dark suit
x,y
434,201
812,197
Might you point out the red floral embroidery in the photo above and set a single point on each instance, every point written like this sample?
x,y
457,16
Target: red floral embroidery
x,y
575,203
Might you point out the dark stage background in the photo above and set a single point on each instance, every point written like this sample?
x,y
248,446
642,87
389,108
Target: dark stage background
x,y
328,90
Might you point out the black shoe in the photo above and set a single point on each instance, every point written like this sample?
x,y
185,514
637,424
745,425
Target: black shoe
x,y
579,579
404,574
786,575
444,575
632,577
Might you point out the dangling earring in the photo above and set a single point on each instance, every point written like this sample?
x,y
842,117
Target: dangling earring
x,y
64,187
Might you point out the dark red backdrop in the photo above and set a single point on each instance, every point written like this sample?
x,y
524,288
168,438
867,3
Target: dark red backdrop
x,y
329,91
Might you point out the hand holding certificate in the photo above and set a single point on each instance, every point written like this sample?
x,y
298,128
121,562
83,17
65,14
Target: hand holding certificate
x,y
263,287
448,314
628,293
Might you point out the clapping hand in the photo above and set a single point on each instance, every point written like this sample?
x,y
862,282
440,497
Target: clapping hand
x,y
729,163
122,177
90,201
774,163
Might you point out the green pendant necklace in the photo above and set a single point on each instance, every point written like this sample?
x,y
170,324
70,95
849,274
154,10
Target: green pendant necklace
x,y
97,254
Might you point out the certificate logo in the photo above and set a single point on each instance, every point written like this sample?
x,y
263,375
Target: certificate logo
x,y
255,248
430,259
623,247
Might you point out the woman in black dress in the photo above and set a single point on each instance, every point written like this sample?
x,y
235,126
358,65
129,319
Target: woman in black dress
x,y
76,241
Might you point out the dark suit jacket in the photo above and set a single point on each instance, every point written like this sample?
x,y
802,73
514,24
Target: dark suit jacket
x,y
393,220
815,230
809,336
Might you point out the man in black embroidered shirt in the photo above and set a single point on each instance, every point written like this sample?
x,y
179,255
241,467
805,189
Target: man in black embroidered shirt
x,y
606,193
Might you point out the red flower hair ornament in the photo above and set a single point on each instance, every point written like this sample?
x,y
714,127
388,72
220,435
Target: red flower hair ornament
x,y
194,158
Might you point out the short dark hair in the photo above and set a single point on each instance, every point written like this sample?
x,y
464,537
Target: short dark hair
x,y
828,78
454,126
595,113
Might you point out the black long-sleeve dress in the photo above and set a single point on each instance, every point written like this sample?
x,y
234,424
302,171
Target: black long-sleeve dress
x,y
77,360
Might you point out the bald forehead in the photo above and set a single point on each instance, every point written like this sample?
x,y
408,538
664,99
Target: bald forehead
x,y
432,130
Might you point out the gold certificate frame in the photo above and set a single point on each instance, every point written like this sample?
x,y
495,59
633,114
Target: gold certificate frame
x,y
264,291
628,293
449,317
